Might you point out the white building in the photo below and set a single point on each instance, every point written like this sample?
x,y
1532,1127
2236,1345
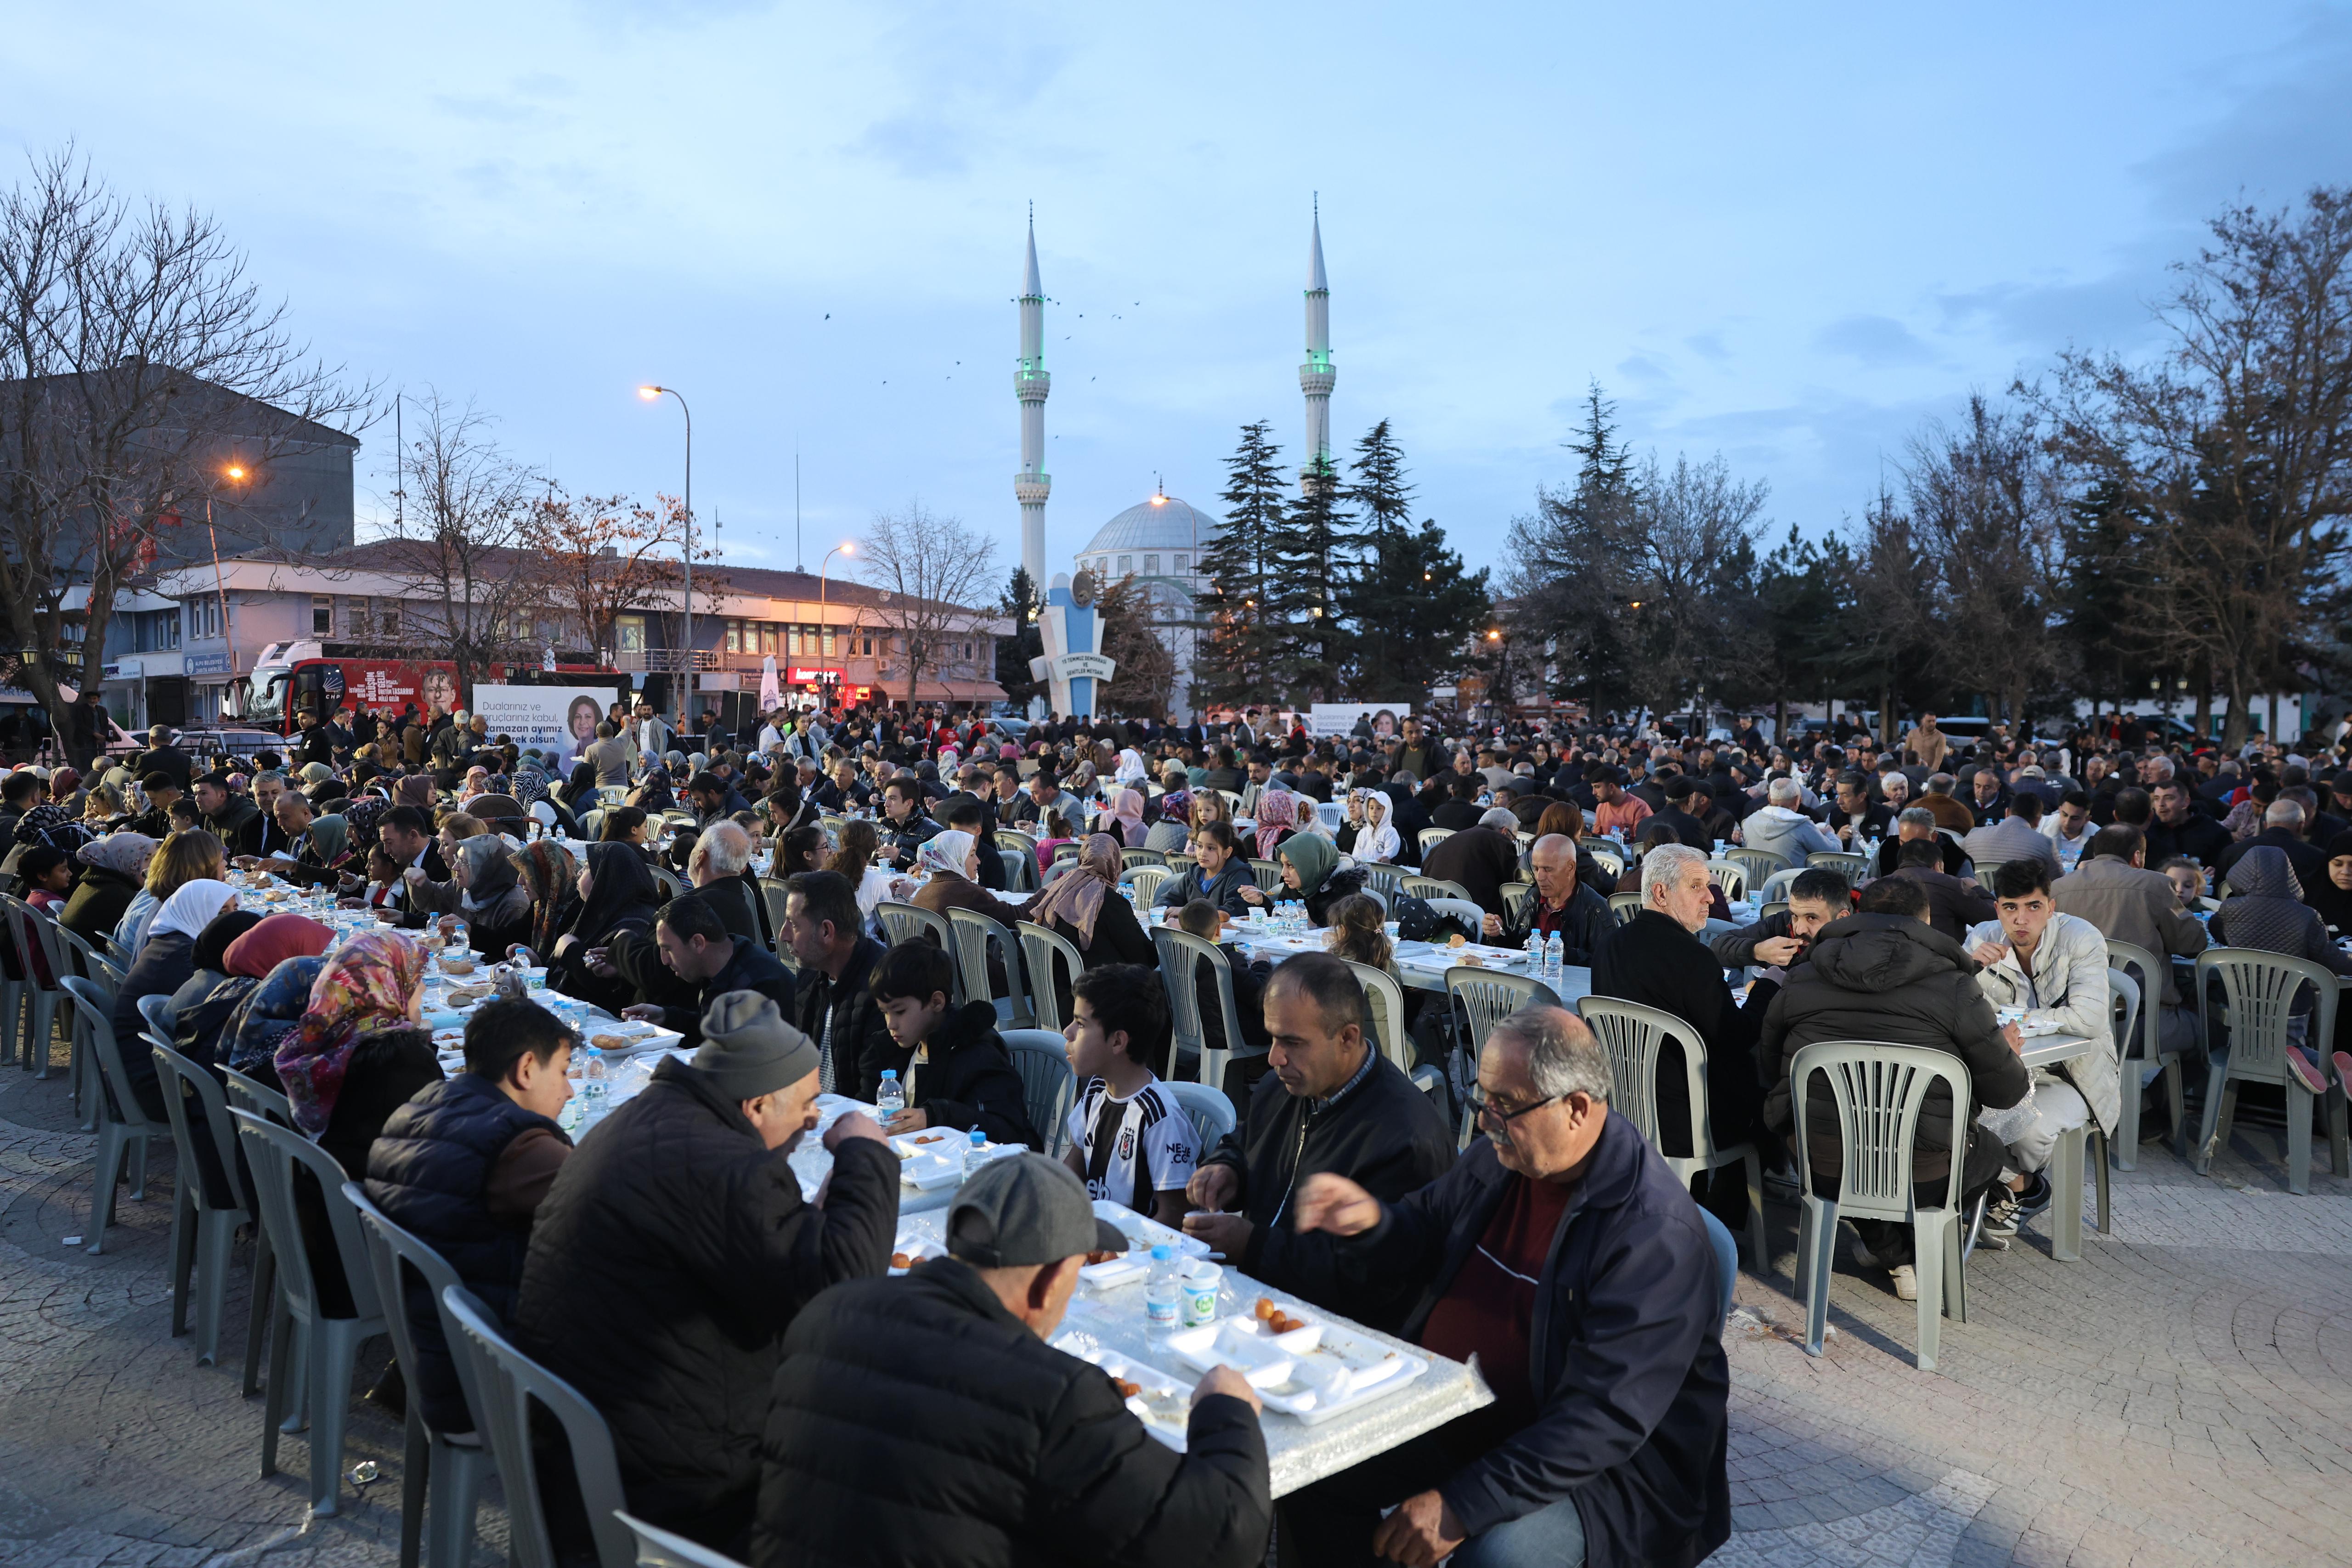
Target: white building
x,y
1158,543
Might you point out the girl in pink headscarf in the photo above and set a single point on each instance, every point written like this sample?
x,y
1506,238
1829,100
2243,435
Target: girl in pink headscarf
x,y
1278,820
1124,820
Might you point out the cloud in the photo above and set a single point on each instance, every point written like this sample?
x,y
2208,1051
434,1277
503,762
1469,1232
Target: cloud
x,y
922,145
1707,345
1874,340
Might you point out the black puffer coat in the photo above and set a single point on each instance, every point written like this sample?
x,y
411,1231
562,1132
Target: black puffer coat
x,y
1893,979
429,1171
968,1080
668,1259
917,1421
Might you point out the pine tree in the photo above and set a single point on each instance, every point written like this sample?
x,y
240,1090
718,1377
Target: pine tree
x,y
1311,566
1418,614
1027,642
1240,614
1578,560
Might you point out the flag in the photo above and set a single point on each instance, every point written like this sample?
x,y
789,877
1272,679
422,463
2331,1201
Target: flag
x,y
771,696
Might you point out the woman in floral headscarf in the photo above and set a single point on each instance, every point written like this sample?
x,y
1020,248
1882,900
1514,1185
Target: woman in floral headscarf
x,y
1084,903
548,871
1278,820
355,1055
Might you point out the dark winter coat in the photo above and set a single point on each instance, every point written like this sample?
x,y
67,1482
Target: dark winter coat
x,y
862,1046
968,1080
1382,1134
1624,1351
916,1420
668,1259
1653,961
1892,979
96,906
429,1171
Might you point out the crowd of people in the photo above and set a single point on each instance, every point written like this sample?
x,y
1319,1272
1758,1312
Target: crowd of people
x,y
761,1377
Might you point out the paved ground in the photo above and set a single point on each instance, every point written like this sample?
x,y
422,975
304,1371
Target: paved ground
x,y
2183,1395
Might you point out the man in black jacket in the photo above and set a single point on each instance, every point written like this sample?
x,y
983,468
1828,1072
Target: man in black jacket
x,y
964,1077
227,816
1884,975
691,941
1817,896
163,756
1563,1253
1657,960
1329,1102
675,1248
836,1009
2179,829
1461,809
2283,822
1954,903
905,828
926,1420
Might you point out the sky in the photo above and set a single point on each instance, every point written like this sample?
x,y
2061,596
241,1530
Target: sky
x,y
1788,235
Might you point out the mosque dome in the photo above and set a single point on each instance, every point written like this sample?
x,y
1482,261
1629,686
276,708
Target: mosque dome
x,y
1161,537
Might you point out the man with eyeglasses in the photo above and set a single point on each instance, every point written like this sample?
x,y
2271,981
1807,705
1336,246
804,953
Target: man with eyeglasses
x,y
1563,1252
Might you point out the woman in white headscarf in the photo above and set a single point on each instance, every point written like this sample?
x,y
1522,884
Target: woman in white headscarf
x,y
1131,770
953,860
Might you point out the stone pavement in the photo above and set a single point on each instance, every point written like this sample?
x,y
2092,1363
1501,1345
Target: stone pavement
x,y
2182,1395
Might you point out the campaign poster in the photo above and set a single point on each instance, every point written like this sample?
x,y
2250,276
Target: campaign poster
x,y
539,717
1340,718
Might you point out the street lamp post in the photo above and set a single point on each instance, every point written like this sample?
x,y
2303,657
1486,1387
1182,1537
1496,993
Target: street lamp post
x,y
847,547
235,473
653,393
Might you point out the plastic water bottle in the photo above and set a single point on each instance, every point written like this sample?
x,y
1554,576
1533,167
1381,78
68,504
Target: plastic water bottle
x,y
891,1098
975,1153
1163,1287
593,1080
1553,952
1535,945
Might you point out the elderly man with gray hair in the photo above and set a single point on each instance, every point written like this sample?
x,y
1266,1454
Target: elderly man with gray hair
x,y
1563,1252
1657,959
1778,828
720,868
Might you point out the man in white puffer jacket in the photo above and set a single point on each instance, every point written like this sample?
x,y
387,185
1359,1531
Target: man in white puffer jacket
x,y
2054,966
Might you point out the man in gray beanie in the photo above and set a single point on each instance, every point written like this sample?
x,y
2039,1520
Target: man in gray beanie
x,y
676,1248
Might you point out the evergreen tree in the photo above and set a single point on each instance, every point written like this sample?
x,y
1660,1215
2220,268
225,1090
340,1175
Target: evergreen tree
x,y
1239,610
1027,641
1410,611
1574,584
1310,568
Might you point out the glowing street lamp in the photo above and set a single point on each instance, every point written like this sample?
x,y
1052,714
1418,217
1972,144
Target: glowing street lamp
x,y
651,395
847,547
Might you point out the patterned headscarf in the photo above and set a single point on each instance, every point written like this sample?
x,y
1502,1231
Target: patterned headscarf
x,y
1077,895
262,1019
530,784
1277,818
946,852
54,827
490,870
548,871
363,989
124,853
361,820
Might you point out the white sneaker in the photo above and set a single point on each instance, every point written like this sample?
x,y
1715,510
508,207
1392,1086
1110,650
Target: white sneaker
x,y
1906,1282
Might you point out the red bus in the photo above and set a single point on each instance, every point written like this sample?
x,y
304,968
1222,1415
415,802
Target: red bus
x,y
291,678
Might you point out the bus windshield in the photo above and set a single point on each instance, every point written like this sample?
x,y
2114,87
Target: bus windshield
x,y
266,705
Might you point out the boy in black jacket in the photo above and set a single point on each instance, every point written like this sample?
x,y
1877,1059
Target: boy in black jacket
x,y
963,1077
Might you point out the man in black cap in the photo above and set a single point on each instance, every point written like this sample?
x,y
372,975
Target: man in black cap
x,y
926,1420
675,1248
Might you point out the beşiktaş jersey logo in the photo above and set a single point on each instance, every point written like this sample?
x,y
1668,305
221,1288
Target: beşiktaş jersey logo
x,y
1127,1142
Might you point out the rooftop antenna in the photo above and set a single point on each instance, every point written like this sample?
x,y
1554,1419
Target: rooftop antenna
x,y
800,556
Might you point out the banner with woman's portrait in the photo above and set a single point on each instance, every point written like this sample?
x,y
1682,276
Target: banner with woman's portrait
x,y
538,718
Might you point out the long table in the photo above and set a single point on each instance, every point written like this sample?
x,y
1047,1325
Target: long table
x,y
1113,1319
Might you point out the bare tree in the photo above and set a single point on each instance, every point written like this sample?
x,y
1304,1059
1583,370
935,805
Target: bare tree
x,y
1985,511
1145,680
1692,554
465,550
2235,441
133,350
930,571
605,556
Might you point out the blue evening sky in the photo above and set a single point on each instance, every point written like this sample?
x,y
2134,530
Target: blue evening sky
x,y
1789,232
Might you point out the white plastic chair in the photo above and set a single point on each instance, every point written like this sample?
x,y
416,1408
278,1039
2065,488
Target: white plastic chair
x,y
1760,865
1481,999
1211,1113
1430,838
1472,917
435,1472
1146,881
1879,1090
1775,889
1331,813
1625,905
1048,1086
1042,949
329,1346
2143,1050
1730,876
1854,867
202,1230
510,1384
1437,887
970,933
2258,993
1181,954
1634,1035
123,1130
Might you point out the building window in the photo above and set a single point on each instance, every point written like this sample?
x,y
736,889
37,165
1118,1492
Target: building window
x,y
828,643
1180,565
1152,566
322,616
387,617
631,631
1126,564
170,622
